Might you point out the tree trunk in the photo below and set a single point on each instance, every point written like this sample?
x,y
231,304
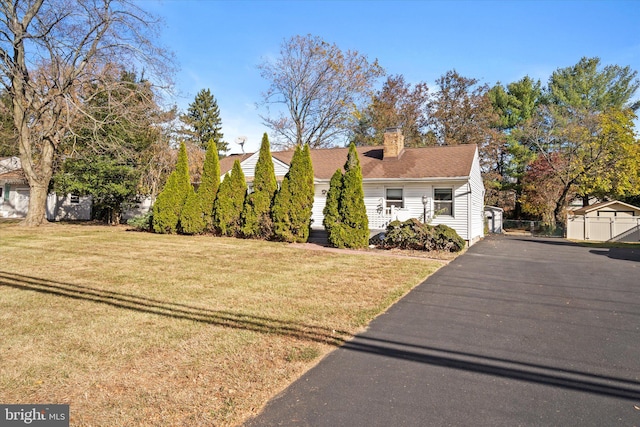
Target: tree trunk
x,y
585,201
37,206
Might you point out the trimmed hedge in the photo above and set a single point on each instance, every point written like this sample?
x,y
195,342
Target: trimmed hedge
x,y
413,234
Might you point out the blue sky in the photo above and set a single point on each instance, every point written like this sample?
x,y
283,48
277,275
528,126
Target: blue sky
x,y
218,44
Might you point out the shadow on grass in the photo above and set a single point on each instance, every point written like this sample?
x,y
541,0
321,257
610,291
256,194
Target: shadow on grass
x,y
174,310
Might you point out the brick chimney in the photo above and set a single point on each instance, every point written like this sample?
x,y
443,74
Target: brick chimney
x,y
393,143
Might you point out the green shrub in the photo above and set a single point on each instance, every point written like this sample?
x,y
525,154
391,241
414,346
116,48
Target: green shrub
x,y
169,203
192,219
209,183
256,215
142,222
345,214
227,211
331,211
166,208
293,203
412,234
353,213
447,239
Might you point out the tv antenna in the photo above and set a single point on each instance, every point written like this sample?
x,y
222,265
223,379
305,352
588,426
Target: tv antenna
x,y
240,141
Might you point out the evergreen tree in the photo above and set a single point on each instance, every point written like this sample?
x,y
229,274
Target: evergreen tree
x,y
353,213
203,116
192,217
209,183
293,203
332,220
165,215
257,209
170,201
230,201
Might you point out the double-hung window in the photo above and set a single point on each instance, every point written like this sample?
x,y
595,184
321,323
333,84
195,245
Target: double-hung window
x,y
394,198
443,201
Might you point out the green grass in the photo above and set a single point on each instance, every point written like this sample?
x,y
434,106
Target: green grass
x,y
134,328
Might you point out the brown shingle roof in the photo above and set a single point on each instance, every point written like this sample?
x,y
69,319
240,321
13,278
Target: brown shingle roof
x,y
413,163
13,177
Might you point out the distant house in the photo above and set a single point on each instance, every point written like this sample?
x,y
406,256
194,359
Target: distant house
x,y
442,185
14,196
613,220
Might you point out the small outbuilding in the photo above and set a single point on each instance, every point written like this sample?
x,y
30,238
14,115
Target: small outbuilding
x,y
606,221
493,217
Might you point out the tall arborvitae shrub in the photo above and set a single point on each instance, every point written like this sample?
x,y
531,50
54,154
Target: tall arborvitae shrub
x,y
209,183
169,203
256,216
192,216
293,203
165,215
331,210
227,210
353,212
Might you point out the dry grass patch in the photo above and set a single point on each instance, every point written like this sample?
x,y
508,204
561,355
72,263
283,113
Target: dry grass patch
x,y
141,329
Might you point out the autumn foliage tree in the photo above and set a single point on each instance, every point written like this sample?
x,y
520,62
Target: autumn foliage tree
x,y
397,104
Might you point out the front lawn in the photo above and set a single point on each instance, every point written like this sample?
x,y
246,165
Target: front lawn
x,y
134,328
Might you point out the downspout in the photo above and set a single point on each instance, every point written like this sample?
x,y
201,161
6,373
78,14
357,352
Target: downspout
x,y
469,219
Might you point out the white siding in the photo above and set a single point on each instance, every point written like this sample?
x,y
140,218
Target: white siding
x,y
14,203
249,166
460,208
319,201
477,201
60,208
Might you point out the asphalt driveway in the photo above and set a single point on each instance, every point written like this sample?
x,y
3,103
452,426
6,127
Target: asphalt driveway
x,y
516,332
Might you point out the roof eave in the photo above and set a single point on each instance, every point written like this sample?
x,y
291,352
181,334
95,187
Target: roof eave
x,y
425,179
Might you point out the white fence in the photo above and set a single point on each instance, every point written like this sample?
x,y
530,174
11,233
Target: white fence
x,y
381,217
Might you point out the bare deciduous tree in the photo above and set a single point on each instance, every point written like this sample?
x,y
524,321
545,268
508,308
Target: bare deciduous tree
x,y
320,88
51,54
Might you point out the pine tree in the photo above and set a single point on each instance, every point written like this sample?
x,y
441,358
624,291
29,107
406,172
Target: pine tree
x,y
293,203
353,212
332,220
209,183
168,206
230,201
256,215
203,116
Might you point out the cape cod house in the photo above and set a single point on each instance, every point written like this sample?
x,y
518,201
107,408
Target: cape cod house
x,y
441,185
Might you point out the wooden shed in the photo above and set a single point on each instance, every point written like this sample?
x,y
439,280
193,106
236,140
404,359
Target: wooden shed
x,y
606,221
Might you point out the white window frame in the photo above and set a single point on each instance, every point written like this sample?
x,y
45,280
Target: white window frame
x,y
398,203
74,199
437,203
